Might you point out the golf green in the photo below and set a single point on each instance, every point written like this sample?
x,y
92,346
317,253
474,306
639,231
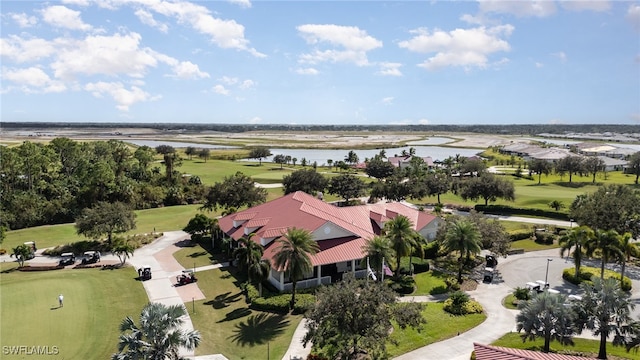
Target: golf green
x,y
86,327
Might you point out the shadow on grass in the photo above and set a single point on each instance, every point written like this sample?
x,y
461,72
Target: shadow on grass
x,y
438,290
259,329
236,314
223,300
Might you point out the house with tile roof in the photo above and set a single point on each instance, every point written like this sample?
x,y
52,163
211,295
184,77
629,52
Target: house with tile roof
x,y
341,232
490,352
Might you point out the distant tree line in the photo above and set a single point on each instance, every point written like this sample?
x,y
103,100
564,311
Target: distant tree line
x,y
512,129
53,183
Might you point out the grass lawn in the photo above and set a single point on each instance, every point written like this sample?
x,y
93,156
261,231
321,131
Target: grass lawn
x,y
198,255
440,326
582,347
230,328
508,302
430,283
530,245
87,327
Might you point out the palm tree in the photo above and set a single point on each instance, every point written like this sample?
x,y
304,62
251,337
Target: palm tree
x,y
293,255
628,249
464,237
259,272
248,252
608,244
575,238
605,309
159,335
546,316
400,233
377,249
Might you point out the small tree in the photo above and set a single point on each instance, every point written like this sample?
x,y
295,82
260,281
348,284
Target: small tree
x,y
546,316
105,219
346,186
352,317
123,250
307,180
462,236
21,253
234,192
204,154
259,152
556,205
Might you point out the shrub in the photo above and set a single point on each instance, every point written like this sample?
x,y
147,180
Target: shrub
x,y
459,303
250,292
545,238
520,235
521,293
452,283
431,250
40,268
405,284
421,268
3,251
586,273
280,303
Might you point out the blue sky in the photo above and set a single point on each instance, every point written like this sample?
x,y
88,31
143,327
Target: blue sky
x,y
321,62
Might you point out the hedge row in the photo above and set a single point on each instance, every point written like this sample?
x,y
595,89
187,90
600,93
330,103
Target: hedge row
x,y
508,210
280,303
470,307
586,273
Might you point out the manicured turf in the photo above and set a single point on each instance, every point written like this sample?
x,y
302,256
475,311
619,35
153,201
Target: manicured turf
x,y
583,347
440,326
87,327
230,328
508,302
197,256
430,283
530,245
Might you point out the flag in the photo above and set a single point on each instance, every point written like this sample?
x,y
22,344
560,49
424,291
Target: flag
x,y
370,272
387,271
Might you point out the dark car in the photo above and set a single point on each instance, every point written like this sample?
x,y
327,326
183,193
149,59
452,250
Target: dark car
x,y
67,259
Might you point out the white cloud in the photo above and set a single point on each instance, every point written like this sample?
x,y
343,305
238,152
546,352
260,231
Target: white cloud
x,y
585,5
561,56
188,70
229,80
63,17
537,8
388,100
32,80
76,2
147,19
633,15
220,89
123,97
460,47
255,120
227,34
539,65
242,3
106,55
25,50
389,69
352,42
423,121
307,71
247,84
23,20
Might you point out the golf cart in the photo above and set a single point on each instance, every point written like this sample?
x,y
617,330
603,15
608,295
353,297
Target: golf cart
x,y
144,273
187,277
533,286
90,257
492,262
488,275
67,259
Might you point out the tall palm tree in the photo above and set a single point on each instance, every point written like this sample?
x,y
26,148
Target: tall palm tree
x,y
158,337
462,236
377,249
608,244
248,252
546,316
576,238
605,309
628,249
259,272
400,233
293,255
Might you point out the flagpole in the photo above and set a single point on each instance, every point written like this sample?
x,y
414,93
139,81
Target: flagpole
x,y
368,269
382,272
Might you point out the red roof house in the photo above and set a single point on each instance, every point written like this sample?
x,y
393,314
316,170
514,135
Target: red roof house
x,y
341,232
490,352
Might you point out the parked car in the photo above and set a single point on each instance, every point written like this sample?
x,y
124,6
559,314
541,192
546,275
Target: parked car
x,y
67,259
91,257
144,273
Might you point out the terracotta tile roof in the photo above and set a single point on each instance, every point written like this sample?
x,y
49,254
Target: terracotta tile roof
x,y
490,352
352,225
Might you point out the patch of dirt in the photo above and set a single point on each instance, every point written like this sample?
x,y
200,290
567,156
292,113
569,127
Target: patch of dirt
x,y
468,285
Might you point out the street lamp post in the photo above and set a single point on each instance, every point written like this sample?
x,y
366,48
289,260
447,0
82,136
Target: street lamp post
x,y
546,275
571,223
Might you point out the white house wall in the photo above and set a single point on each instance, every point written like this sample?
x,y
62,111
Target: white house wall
x,y
429,231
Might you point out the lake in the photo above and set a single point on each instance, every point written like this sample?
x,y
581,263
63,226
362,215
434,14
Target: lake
x,y
177,144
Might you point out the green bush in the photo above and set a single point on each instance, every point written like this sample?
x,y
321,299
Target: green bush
x,y
586,273
405,284
459,303
280,303
452,283
420,268
521,293
544,237
250,292
508,210
520,235
432,250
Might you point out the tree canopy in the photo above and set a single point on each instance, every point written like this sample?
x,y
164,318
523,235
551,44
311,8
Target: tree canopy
x,y
234,192
346,186
352,317
487,187
293,255
105,219
546,316
610,207
307,180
